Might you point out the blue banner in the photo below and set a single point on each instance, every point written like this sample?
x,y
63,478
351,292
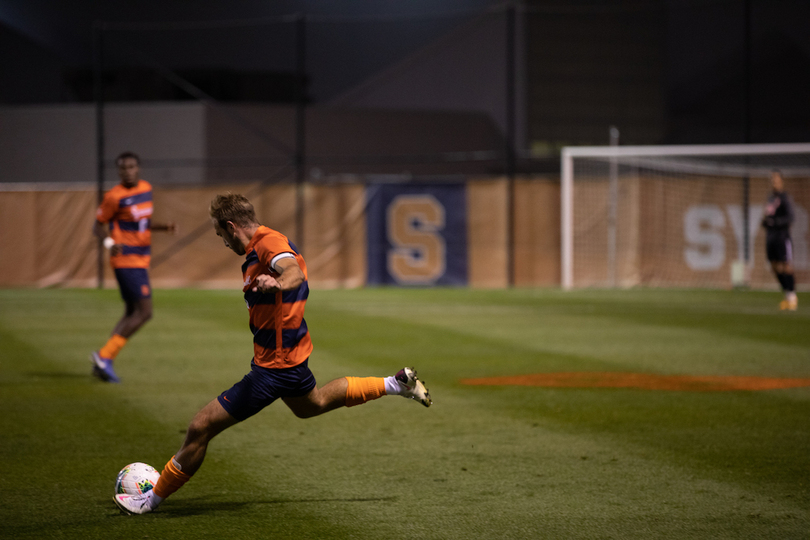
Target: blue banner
x,y
417,234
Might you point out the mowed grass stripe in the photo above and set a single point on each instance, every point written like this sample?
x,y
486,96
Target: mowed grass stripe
x,y
90,509
786,439
770,435
495,463
559,325
67,435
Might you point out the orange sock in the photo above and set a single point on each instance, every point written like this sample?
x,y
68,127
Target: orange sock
x,y
362,389
171,479
113,347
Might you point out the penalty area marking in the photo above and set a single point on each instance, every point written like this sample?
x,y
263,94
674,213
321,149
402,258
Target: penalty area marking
x,y
645,381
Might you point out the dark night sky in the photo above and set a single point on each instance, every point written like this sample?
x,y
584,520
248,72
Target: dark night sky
x,y
700,31
369,34
351,40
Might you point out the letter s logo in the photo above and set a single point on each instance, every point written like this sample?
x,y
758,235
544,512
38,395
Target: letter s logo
x,y
703,231
419,254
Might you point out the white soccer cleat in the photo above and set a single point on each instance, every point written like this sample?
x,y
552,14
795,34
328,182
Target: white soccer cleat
x,y
133,504
412,387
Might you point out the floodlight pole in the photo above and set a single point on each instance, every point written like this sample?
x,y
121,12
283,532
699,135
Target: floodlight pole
x,y
98,94
509,140
300,128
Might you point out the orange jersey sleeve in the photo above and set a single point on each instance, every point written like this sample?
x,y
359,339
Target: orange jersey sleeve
x,y
108,207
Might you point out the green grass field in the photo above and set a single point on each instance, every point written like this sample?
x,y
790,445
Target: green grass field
x,y
483,462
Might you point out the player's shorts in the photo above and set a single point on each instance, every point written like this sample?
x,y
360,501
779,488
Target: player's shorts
x,y
134,283
262,386
779,249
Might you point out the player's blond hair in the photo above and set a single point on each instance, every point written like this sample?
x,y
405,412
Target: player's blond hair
x,y
232,207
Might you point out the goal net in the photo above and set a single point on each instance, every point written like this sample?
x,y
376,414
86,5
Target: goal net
x,y
677,216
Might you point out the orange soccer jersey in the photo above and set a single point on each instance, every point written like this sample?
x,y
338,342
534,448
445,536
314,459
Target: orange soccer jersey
x,y
128,211
280,335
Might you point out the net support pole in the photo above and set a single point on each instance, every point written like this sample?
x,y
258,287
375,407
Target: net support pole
x,y
613,203
98,95
300,128
567,219
746,203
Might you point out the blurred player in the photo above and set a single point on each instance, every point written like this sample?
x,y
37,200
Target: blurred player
x,y
275,288
777,221
124,221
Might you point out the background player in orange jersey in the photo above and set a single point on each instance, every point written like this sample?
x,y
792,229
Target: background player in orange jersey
x,y
124,221
276,290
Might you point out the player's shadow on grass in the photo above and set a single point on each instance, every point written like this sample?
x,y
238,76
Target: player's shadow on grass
x,y
198,506
61,375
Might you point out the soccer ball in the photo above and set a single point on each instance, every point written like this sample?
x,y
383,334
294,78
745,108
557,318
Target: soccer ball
x,y
136,478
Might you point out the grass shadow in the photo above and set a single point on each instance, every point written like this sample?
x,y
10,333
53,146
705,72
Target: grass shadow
x,y
199,506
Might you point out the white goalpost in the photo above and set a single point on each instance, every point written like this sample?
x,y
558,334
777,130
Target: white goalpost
x,y
676,216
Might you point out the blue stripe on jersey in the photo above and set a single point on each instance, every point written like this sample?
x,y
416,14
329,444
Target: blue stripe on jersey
x,y
289,337
132,225
264,337
136,250
135,199
295,295
295,249
252,258
256,298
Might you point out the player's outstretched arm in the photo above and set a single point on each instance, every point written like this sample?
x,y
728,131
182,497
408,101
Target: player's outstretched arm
x,y
100,229
290,277
169,227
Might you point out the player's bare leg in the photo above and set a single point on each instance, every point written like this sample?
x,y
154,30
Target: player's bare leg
x,y
329,397
206,424
351,391
784,274
135,316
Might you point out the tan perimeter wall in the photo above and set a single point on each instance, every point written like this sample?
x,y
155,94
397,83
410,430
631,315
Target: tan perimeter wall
x,y
47,240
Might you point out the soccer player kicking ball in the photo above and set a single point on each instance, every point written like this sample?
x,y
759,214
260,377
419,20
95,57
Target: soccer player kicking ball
x,y
275,287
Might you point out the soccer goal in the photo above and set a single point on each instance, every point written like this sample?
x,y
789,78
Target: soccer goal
x,y
677,216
